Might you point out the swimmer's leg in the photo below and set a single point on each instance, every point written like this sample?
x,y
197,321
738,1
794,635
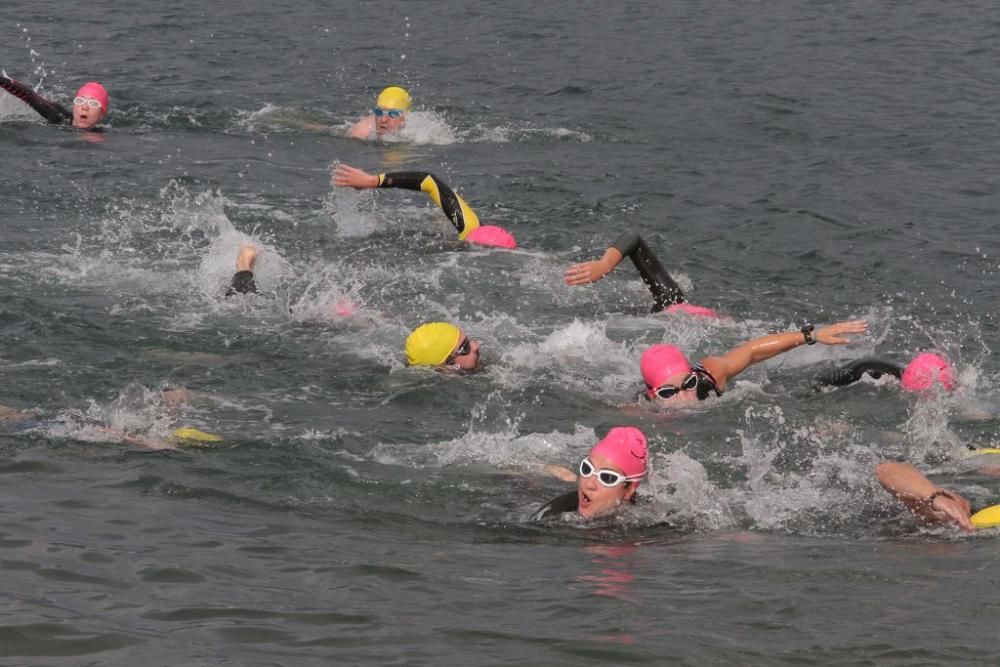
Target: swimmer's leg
x,y
243,280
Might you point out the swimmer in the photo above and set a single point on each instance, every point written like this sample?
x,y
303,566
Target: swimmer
x,y
444,346
609,477
388,117
461,215
670,379
928,502
243,280
15,421
921,375
90,105
667,295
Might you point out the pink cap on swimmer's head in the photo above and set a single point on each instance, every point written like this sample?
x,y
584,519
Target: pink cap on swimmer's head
x,y
660,362
493,236
625,446
96,91
924,370
693,310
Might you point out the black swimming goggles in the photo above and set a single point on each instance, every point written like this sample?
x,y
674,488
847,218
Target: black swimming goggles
x,y
463,349
668,390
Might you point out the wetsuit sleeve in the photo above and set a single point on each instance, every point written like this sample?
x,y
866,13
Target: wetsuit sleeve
x,y
50,111
243,283
461,214
665,291
852,372
567,502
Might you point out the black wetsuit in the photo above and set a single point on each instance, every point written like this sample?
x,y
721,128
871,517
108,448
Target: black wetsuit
x,y
854,371
243,283
665,291
567,502
462,217
50,111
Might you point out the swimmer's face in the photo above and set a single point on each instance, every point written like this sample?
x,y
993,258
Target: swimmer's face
x,y
686,390
597,499
465,355
85,114
386,124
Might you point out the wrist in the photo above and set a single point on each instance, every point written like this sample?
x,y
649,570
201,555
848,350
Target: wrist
x,y
807,331
937,493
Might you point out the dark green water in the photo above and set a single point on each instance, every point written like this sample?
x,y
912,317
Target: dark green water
x,y
789,162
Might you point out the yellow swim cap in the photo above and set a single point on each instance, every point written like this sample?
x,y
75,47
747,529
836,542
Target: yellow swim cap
x,y
394,97
430,344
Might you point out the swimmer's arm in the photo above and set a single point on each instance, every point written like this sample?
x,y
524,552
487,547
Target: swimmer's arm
x,y
462,217
624,246
50,111
760,349
665,291
922,497
559,472
362,129
855,370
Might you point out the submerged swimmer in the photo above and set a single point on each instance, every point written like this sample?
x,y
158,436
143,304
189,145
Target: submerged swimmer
x,y
667,295
388,117
173,398
671,379
90,105
461,215
444,346
926,371
609,477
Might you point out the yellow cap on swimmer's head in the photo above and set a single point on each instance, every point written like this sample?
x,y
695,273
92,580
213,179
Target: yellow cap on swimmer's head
x,y
431,344
394,97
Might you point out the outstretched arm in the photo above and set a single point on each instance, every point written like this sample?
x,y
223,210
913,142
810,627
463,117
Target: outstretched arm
x,y
757,350
665,291
50,111
922,497
461,214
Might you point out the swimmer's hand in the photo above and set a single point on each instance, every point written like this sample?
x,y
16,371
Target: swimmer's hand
x,y
346,176
559,472
837,334
952,508
590,272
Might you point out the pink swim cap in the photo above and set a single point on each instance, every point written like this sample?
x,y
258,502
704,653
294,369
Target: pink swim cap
x,y
96,91
661,362
693,310
925,368
491,235
625,446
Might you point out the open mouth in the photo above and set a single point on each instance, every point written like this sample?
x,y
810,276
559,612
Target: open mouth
x,y
584,500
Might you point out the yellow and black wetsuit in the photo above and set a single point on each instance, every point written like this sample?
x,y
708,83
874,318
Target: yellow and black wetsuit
x,y
461,214
665,291
50,111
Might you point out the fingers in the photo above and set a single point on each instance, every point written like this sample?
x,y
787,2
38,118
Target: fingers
x,y
578,274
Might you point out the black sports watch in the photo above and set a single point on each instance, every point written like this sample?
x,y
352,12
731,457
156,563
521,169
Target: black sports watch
x,y
807,333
